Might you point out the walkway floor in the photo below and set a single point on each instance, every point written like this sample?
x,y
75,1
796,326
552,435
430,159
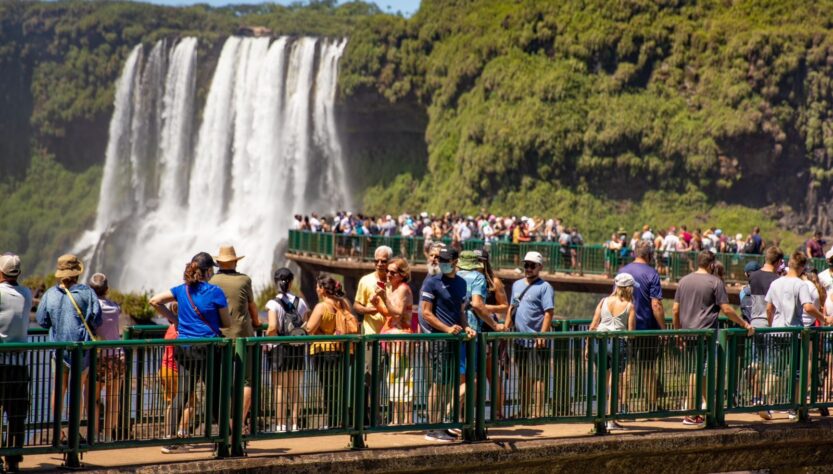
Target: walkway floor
x,y
126,458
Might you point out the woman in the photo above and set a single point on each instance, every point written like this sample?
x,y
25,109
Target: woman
x,y
72,313
110,365
202,311
616,313
497,304
395,303
331,316
286,311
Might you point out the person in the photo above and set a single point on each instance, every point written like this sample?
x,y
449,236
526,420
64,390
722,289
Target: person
x,y
442,301
531,311
110,367
699,299
287,314
396,303
825,276
612,247
815,246
616,313
15,305
169,380
202,312
237,287
756,244
670,245
650,316
372,320
331,316
789,297
745,295
433,260
71,312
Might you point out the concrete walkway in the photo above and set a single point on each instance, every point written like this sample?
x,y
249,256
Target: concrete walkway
x,y
294,450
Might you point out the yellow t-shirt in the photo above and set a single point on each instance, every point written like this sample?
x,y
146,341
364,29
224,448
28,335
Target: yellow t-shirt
x,y
373,322
326,326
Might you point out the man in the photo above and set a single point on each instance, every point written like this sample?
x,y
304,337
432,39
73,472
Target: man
x,y
442,304
759,283
669,245
756,243
531,310
366,290
699,299
241,307
815,246
15,304
650,316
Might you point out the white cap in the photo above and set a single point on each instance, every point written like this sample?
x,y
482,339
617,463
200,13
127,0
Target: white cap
x,y
829,254
534,257
623,279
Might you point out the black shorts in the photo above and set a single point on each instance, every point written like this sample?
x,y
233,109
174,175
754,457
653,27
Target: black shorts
x,y
286,357
443,358
532,362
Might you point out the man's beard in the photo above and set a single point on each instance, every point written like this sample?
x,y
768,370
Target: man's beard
x,y
433,270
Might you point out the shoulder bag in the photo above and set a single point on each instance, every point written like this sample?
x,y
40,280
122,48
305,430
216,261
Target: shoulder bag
x,y
81,316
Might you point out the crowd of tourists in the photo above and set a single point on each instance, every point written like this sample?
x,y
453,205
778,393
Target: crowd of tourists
x,y
460,295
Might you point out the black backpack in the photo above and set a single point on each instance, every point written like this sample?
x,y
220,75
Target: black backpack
x,y
291,324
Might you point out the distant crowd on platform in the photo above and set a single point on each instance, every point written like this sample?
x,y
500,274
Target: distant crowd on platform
x,y
460,295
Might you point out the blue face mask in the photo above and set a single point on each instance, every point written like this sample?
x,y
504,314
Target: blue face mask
x,y
446,268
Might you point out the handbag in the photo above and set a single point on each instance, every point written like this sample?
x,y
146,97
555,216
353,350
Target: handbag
x,y
81,316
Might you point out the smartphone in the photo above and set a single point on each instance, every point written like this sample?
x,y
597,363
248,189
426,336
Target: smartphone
x,y
381,285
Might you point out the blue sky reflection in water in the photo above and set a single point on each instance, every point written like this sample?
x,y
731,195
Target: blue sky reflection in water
x,y
406,7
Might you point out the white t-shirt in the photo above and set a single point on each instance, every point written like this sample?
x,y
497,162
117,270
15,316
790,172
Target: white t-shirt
x,y
670,243
648,235
814,293
314,224
427,232
299,304
465,233
826,280
788,294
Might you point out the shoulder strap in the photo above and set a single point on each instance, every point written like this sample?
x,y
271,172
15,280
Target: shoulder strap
x,y
197,311
521,296
80,315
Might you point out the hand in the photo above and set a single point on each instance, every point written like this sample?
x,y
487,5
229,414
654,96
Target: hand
x,y
828,321
455,329
470,333
750,330
381,293
500,327
374,300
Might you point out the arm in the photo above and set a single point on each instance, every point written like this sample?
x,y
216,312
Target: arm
x,y
434,321
597,316
315,318
42,315
500,295
482,312
159,302
272,318
632,318
770,313
675,316
546,325
729,311
253,314
659,312
811,309
225,318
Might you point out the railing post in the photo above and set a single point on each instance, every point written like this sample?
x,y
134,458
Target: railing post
x,y
720,373
375,358
92,403
480,415
72,459
357,437
804,361
225,387
614,377
711,383
471,390
601,385
238,389
58,407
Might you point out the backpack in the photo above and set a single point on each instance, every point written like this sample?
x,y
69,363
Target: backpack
x,y
291,324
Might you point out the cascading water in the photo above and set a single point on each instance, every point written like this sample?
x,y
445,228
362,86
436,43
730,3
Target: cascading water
x,y
267,146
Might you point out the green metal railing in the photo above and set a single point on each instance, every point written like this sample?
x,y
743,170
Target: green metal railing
x,y
591,259
355,385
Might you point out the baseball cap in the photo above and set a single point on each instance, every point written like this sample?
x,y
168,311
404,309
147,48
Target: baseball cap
x,y
534,257
10,264
752,266
623,279
449,254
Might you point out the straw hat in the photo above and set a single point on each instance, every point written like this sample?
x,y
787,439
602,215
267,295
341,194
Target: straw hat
x,y
227,254
69,266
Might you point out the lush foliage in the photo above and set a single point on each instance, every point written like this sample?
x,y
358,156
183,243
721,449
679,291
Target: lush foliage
x,y
540,104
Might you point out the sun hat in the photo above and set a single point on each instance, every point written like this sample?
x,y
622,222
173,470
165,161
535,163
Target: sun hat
x,y
227,254
68,266
534,257
623,280
469,261
10,265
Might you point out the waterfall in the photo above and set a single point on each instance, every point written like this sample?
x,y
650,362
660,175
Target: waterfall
x,y
267,146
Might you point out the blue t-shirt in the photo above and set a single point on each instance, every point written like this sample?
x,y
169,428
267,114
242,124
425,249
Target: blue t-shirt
x,y
209,299
529,317
475,285
646,287
447,296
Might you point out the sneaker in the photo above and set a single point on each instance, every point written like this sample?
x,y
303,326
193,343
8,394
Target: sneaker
x,y
823,411
441,436
176,448
792,415
456,432
294,427
693,421
612,425
766,414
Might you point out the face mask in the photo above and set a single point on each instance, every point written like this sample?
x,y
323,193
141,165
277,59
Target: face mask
x,y
433,270
446,268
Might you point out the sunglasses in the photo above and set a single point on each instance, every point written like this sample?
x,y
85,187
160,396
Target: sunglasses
x,y
378,262
393,272
530,265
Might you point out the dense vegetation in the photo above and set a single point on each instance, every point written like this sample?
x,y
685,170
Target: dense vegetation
x,y
606,113
612,112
